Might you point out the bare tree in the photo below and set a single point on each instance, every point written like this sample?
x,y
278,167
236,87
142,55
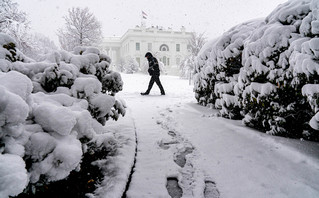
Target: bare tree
x,y
81,29
195,43
14,23
40,45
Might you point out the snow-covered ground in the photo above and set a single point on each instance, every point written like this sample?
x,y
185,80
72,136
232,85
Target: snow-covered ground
x,y
209,156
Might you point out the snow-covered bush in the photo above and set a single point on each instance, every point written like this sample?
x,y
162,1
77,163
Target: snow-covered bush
x,y
54,77
274,90
8,49
14,176
51,113
15,23
112,83
270,57
131,66
217,69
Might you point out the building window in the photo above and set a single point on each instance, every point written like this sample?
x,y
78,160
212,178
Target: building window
x,y
178,61
164,60
164,48
137,46
149,46
178,47
138,60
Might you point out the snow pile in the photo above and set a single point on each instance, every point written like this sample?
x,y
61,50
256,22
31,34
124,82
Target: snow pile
x,y
51,113
257,71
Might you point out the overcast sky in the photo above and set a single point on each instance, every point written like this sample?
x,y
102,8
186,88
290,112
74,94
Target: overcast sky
x,y
210,16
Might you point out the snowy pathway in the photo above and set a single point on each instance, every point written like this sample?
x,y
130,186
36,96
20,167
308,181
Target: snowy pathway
x,y
155,159
179,141
246,163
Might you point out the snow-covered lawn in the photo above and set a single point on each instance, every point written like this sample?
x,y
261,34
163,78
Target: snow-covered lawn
x,y
209,156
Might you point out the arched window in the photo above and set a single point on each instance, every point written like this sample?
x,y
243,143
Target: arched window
x,y
164,48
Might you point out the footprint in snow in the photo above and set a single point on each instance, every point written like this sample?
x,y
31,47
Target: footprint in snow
x,y
211,190
166,144
180,157
172,133
169,110
174,190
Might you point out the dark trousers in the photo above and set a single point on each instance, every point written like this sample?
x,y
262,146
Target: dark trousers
x,y
156,79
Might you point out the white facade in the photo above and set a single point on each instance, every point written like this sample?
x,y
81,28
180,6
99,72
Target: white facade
x,y
169,46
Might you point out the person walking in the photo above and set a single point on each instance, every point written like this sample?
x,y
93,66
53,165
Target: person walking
x,y
154,72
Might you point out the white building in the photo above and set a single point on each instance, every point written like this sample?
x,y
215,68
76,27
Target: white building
x,y
169,46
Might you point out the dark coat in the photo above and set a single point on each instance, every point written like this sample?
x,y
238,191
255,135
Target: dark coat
x,y
153,69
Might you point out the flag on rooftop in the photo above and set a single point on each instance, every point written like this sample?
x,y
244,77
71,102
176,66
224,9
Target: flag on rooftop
x,y
144,15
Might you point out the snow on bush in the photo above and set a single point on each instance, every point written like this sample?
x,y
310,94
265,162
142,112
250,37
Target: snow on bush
x,y
58,163
100,107
8,49
14,176
131,66
14,109
112,83
85,87
266,71
217,69
52,112
54,118
17,83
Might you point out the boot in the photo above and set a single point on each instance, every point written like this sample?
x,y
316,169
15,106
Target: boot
x,y
145,93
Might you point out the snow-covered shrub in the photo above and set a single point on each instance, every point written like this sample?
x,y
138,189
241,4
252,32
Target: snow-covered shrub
x,y
8,49
5,65
118,109
84,87
217,69
100,106
270,57
311,91
88,63
112,83
275,89
131,66
51,113
202,79
53,77
14,176
15,88
13,113
102,68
